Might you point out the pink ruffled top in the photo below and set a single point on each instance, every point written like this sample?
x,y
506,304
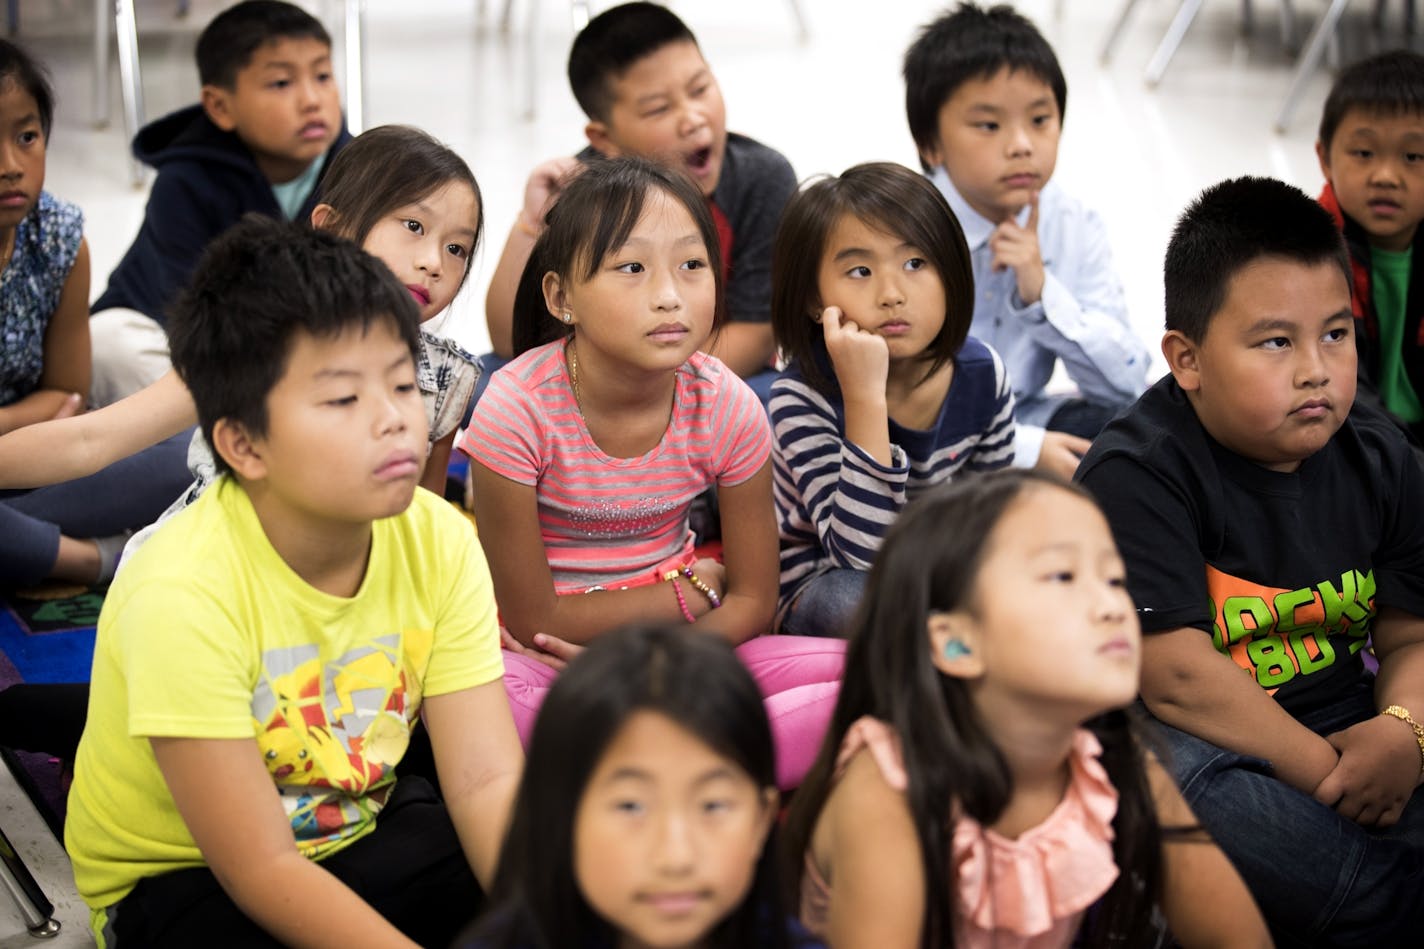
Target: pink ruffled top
x,y
1024,893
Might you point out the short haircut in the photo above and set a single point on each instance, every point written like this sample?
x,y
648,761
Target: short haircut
x,y
25,71
611,43
891,198
257,286
1229,226
389,167
226,45
968,43
1390,84
592,218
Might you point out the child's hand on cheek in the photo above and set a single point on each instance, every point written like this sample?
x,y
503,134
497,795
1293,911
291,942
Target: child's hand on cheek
x,y
1377,773
1016,247
860,358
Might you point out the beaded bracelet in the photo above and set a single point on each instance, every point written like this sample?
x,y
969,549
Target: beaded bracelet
x,y
682,601
702,587
1402,713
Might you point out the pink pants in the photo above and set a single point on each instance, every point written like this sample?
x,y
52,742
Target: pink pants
x,y
799,678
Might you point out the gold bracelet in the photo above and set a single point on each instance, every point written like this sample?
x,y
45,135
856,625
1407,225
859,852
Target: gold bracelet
x,y
1402,713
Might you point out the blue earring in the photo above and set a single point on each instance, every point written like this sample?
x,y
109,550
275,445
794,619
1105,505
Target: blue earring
x,y
955,649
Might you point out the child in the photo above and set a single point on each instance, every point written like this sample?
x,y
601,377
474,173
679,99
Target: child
x,y
284,633
408,200
269,121
1371,139
887,395
976,788
44,362
1269,526
648,802
589,448
639,76
985,99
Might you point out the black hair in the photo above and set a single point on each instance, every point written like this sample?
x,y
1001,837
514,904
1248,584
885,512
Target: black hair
x,y
389,167
226,45
593,216
1389,84
19,67
971,42
891,198
929,563
613,41
698,683
257,286
1230,225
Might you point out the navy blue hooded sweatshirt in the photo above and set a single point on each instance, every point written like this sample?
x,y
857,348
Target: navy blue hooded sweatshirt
x,y
207,180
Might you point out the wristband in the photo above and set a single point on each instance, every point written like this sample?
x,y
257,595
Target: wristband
x,y
702,587
526,227
1402,713
682,601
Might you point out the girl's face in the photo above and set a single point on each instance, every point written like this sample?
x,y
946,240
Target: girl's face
x,y
1052,627
667,834
428,244
651,302
883,284
22,154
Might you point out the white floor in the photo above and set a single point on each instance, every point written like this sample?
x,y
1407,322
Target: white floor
x,y
1137,155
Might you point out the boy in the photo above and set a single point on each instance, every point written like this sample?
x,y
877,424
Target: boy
x,y
284,633
985,99
1268,526
1371,150
267,126
639,75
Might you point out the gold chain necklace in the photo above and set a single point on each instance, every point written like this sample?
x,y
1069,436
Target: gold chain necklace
x,y
572,355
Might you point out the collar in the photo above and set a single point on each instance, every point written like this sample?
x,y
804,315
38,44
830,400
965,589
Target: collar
x,y
976,226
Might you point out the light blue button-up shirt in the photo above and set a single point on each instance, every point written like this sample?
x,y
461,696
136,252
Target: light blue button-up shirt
x,y
1080,318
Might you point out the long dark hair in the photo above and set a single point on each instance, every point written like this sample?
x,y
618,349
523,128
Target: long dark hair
x,y
692,679
894,199
927,564
389,167
592,218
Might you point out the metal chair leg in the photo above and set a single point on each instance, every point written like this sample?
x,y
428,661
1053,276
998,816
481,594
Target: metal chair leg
x,y
34,906
1309,59
354,18
102,13
1157,66
130,76
1114,34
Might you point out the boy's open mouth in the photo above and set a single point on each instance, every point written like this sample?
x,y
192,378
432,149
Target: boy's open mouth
x,y
698,161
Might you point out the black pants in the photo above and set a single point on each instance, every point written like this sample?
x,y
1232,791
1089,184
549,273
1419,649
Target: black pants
x,y
410,869
1080,417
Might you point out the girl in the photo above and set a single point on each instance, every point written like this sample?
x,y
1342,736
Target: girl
x,y
406,199
44,355
995,625
872,295
647,802
590,447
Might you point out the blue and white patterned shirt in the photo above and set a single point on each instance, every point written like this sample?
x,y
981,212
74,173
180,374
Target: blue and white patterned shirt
x,y
46,244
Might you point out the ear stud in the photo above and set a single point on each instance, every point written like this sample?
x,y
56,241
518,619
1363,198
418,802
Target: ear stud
x,y
955,649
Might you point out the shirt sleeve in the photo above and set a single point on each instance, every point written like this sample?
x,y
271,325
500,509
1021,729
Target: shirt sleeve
x,y
850,497
466,651
747,444
1002,429
772,185
1082,315
505,433
1155,526
183,218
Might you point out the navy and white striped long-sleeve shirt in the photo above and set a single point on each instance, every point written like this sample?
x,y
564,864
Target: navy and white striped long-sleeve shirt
x,y
834,502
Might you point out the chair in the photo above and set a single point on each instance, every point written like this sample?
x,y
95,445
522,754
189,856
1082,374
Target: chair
x,y
1181,22
35,908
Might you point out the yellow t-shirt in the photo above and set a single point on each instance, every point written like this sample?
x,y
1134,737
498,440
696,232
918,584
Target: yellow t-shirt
x,y
207,633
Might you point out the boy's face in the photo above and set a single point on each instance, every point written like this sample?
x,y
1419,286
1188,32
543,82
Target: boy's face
x,y
1274,377
1375,164
346,433
998,141
668,107
284,105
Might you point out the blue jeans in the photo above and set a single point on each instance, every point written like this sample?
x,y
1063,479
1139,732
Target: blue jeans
x,y
825,605
1319,878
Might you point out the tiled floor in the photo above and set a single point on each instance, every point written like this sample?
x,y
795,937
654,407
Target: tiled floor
x,y
1135,154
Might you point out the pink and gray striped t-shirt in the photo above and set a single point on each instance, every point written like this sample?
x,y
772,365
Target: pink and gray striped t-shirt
x,y
609,520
